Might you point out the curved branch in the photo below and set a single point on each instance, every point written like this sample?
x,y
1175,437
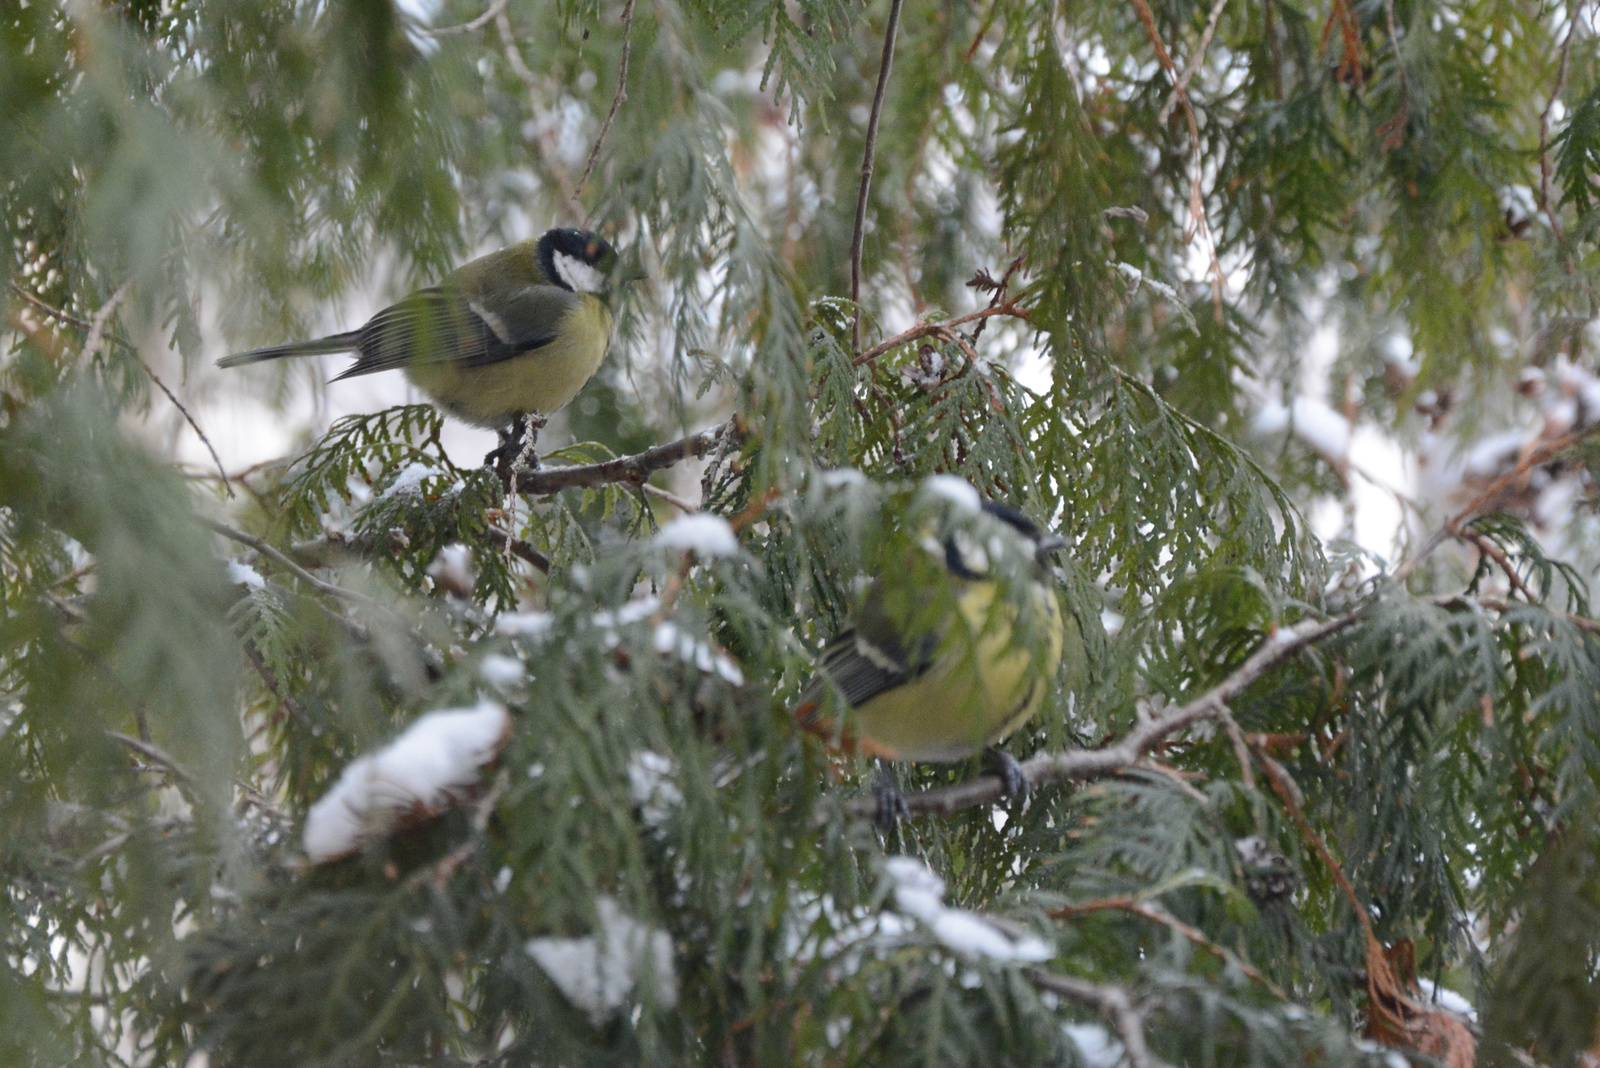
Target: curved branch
x,y
858,236
1047,769
631,470
943,329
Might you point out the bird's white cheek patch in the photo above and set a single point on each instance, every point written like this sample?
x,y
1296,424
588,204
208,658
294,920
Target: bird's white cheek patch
x,y
579,276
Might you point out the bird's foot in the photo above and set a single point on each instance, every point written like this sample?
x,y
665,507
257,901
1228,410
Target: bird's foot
x,y
892,807
1013,780
518,446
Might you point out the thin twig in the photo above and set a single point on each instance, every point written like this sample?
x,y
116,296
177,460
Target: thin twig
x,y
858,236
1113,1002
945,329
670,497
530,81
1545,204
1190,68
274,687
1197,201
1493,552
1135,907
201,434
95,328
630,470
155,754
1044,769
1538,454
1393,128
617,99
282,559
489,15
97,325
519,548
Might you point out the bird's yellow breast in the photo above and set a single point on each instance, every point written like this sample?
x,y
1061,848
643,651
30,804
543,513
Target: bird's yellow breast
x,y
541,381
983,684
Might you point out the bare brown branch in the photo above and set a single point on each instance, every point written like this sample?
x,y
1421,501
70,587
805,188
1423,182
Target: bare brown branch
x,y
617,99
944,330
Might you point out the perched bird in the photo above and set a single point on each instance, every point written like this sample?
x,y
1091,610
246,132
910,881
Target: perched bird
x,y
923,685
515,333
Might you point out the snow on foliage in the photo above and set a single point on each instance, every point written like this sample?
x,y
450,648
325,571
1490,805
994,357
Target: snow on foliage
x,y
597,972
245,575
701,534
920,894
669,638
957,491
429,767
651,786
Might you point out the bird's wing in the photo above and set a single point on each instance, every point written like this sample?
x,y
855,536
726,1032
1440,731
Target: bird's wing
x,y
439,325
523,320
430,325
867,660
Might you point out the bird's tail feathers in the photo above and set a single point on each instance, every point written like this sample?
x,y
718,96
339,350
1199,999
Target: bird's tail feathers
x,y
321,346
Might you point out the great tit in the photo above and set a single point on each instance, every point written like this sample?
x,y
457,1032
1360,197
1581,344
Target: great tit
x,y
947,687
517,332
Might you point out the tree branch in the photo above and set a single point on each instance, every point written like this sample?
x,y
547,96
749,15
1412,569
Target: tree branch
x,y
283,560
1193,66
945,330
488,16
1046,769
618,98
858,236
1113,1002
631,470
1545,204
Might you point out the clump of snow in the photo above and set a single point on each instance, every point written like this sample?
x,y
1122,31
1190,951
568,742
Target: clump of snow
x,y
670,638
957,491
451,570
433,764
245,575
843,476
1095,1045
525,624
1447,999
502,672
597,972
920,894
700,533
632,612
410,479
651,786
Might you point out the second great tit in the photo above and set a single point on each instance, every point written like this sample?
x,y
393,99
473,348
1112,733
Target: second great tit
x,y
517,332
976,673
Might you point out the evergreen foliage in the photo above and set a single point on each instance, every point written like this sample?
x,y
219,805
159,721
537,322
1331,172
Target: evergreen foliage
x,y
1298,782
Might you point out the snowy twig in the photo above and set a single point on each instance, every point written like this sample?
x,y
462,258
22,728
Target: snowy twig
x,y
944,329
1113,1002
858,236
631,470
283,560
1044,769
618,98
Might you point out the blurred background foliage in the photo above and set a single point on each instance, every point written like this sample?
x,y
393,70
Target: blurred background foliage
x,y
1354,259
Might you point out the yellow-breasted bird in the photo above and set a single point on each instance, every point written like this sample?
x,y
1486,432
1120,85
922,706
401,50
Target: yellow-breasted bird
x,y
515,333
922,684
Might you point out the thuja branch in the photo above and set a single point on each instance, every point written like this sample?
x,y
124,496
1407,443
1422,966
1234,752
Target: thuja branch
x,y
631,470
944,329
1046,769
